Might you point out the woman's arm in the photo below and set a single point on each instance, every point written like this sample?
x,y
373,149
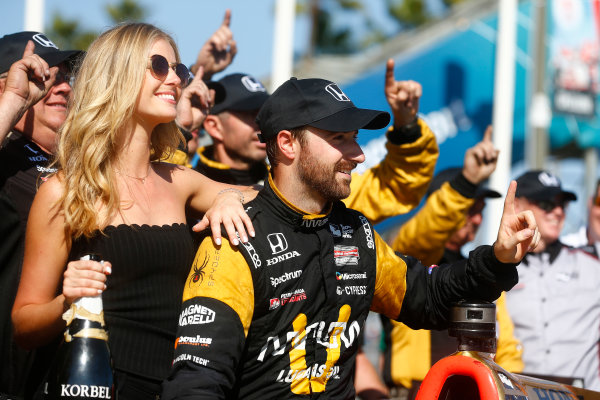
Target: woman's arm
x,y
219,203
37,311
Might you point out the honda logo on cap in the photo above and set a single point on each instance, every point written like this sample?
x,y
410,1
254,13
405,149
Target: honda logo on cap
x,y
43,41
252,84
548,179
336,92
277,242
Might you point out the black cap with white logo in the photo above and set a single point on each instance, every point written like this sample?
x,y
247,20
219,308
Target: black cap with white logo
x,y
541,185
242,93
318,103
13,45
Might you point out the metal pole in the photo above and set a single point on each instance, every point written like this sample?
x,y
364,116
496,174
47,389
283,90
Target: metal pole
x,y
591,166
34,16
283,42
503,109
540,113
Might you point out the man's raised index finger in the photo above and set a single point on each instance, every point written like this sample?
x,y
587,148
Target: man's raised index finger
x,y
487,135
509,201
227,18
389,73
29,48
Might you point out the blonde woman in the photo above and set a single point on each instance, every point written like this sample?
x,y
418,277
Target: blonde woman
x,y
111,196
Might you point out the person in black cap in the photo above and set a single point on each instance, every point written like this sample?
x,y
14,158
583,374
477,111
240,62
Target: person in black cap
x,y
236,155
215,55
29,81
279,317
394,186
556,305
32,68
449,219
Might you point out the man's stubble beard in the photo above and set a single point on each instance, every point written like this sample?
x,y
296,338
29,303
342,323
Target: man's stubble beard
x,y
321,178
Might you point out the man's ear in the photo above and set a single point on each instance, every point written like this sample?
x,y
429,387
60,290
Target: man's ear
x,y
288,146
213,126
2,85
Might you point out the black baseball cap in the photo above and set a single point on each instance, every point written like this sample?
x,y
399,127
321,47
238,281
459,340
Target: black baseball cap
x,y
541,185
242,92
13,45
318,103
219,90
448,174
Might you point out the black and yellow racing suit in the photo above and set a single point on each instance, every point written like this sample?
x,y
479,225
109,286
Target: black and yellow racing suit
x,y
279,317
220,172
409,354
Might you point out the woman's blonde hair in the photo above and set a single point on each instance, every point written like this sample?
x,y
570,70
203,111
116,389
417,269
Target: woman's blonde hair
x,y
104,98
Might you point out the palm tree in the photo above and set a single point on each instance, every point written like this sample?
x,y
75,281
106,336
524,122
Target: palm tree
x,y
68,33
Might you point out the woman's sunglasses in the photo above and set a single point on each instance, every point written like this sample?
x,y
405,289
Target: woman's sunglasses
x,y
159,67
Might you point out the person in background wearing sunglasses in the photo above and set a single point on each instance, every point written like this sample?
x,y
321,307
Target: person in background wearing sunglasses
x,y
34,85
437,234
111,196
555,307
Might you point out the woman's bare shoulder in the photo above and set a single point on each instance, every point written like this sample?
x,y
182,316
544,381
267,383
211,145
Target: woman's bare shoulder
x,y
51,189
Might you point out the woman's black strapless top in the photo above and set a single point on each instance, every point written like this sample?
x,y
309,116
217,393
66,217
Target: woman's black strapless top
x,y
142,299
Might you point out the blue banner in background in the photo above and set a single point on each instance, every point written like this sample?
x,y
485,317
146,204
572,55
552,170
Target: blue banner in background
x,y
573,71
457,75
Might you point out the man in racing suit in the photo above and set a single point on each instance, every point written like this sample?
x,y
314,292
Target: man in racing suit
x,y
394,186
390,188
278,318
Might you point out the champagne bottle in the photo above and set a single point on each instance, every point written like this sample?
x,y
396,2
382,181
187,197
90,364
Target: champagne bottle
x,y
82,366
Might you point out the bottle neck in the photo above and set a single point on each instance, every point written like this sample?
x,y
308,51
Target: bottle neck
x,y
481,345
85,309
90,304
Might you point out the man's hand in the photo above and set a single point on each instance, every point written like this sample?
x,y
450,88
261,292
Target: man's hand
x,y
481,159
218,51
194,104
402,96
518,233
29,79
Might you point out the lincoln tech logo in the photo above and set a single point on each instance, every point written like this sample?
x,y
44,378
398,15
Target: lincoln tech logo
x,y
336,92
277,242
252,84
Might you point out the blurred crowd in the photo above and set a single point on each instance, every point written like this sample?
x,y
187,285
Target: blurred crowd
x,y
216,195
